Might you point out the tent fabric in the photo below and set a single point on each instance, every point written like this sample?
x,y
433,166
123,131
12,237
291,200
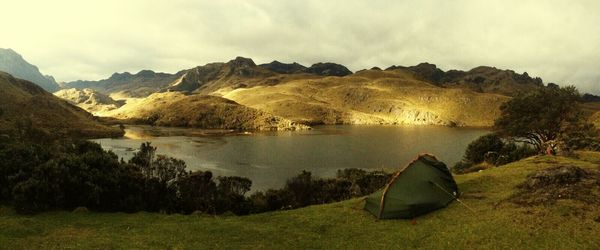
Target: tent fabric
x,y
423,185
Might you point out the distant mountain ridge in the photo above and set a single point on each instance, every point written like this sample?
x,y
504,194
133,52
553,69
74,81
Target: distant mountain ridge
x,y
140,84
480,79
293,94
89,99
13,63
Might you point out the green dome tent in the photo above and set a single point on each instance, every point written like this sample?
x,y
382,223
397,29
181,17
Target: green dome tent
x,y
422,186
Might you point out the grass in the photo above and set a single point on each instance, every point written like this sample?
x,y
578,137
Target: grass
x,y
497,223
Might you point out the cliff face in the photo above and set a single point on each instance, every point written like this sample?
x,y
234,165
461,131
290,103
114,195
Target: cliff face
x,y
13,63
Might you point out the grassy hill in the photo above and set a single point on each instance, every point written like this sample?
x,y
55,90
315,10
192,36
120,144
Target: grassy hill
x,y
201,111
328,93
497,223
370,97
23,101
592,109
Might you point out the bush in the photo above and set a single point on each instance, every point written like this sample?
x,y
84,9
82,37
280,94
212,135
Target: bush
x,y
477,149
197,192
492,150
461,167
70,174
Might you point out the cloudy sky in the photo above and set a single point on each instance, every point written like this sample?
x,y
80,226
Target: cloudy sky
x,y
83,39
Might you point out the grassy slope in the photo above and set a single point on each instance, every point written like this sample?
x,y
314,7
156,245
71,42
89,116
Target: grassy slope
x,y
371,97
22,100
497,223
203,111
593,110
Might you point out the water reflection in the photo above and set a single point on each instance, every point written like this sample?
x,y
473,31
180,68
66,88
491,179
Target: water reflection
x,y
269,158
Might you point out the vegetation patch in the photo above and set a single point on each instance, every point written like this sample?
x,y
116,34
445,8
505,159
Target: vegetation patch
x,y
547,186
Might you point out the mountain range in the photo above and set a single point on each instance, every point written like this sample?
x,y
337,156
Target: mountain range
x,y
281,95
13,63
324,93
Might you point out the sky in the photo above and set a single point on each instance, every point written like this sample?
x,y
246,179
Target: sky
x,y
558,41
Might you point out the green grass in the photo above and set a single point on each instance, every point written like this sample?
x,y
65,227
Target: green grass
x,y
497,223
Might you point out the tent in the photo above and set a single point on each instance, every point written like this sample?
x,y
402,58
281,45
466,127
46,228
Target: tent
x,y
422,186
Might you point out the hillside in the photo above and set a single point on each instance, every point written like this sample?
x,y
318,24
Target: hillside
x,y
497,223
592,110
126,84
240,72
13,63
90,100
180,110
480,79
23,103
329,93
371,97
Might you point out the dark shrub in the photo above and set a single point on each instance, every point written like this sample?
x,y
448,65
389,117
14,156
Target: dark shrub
x,y
197,191
301,189
461,167
477,149
230,194
512,152
331,190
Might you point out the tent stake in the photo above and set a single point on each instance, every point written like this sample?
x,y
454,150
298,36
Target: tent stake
x,y
456,198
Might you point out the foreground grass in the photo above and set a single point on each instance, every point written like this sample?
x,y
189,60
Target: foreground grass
x,y
497,223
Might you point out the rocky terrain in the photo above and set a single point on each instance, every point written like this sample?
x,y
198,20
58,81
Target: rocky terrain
x,y
27,108
324,93
371,97
124,85
13,63
90,100
201,111
328,93
480,79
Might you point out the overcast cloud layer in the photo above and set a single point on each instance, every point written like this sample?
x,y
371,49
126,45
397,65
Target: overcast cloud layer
x,y
556,40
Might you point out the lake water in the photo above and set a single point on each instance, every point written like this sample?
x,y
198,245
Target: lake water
x,y
269,158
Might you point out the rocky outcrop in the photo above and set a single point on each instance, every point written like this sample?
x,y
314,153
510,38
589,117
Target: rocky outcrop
x,y
90,100
284,68
328,69
13,63
480,79
140,84
213,76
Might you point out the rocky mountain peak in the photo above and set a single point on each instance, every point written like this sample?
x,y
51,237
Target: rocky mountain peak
x,y
283,68
241,62
328,69
13,63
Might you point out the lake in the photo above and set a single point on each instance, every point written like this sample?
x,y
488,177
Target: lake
x,y
269,158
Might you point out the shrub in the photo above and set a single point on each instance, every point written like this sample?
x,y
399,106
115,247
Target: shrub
x,y
197,191
461,167
230,194
477,149
70,174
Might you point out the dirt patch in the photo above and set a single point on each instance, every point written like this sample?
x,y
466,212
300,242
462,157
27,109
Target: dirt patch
x,y
546,187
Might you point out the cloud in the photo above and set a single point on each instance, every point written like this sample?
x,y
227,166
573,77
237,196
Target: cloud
x,y
556,40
